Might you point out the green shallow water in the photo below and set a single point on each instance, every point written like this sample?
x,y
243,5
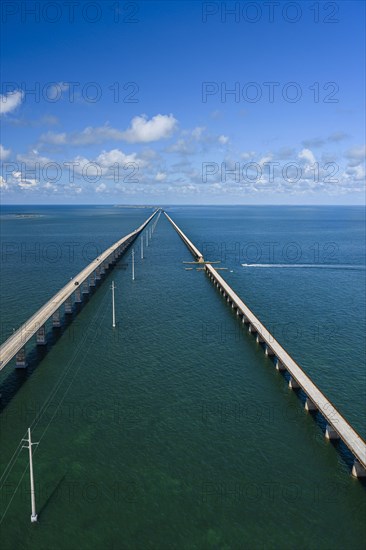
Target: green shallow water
x,y
174,430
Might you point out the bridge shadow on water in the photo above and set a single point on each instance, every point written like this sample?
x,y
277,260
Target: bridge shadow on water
x,y
36,353
343,451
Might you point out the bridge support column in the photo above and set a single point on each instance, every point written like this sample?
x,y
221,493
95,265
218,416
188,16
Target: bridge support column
x,y
97,273
292,384
279,366
41,336
85,287
252,329
238,312
92,279
259,339
268,351
102,269
78,299
20,359
68,305
330,432
309,405
358,470
56,321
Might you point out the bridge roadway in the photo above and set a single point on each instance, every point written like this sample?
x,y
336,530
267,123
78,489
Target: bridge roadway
x,y
189,243
337,424
25,332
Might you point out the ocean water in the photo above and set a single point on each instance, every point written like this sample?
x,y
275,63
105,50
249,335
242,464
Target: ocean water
x,y
173,430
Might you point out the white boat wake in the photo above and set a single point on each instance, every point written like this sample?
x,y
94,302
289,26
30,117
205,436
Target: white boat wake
x,y
309,266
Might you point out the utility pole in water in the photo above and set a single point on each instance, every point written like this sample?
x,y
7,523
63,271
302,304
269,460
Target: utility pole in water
x,y
113,307
133,264
142,247
34,516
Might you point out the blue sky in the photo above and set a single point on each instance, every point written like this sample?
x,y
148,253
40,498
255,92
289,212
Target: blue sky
x,y
132,102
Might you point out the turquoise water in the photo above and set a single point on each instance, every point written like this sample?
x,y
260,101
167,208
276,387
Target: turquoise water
x,y
174,430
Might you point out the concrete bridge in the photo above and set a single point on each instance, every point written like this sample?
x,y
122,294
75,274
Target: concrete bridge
x,y
337,426
71,293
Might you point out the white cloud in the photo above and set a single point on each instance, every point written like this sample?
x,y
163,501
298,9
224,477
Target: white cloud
x,y
25,183
181,146
10,101
196,141
50,187
160,176
113,165
184,189
197,132
307,155
356,155
55,139
223,139
106,159
247,155
100,188
73,189
143,130
357,172
33,159
89,168
95,135
55,91
4,153
265,159
88,136
3,183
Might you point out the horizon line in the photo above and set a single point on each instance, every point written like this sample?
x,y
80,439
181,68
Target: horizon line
x,y
181,204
